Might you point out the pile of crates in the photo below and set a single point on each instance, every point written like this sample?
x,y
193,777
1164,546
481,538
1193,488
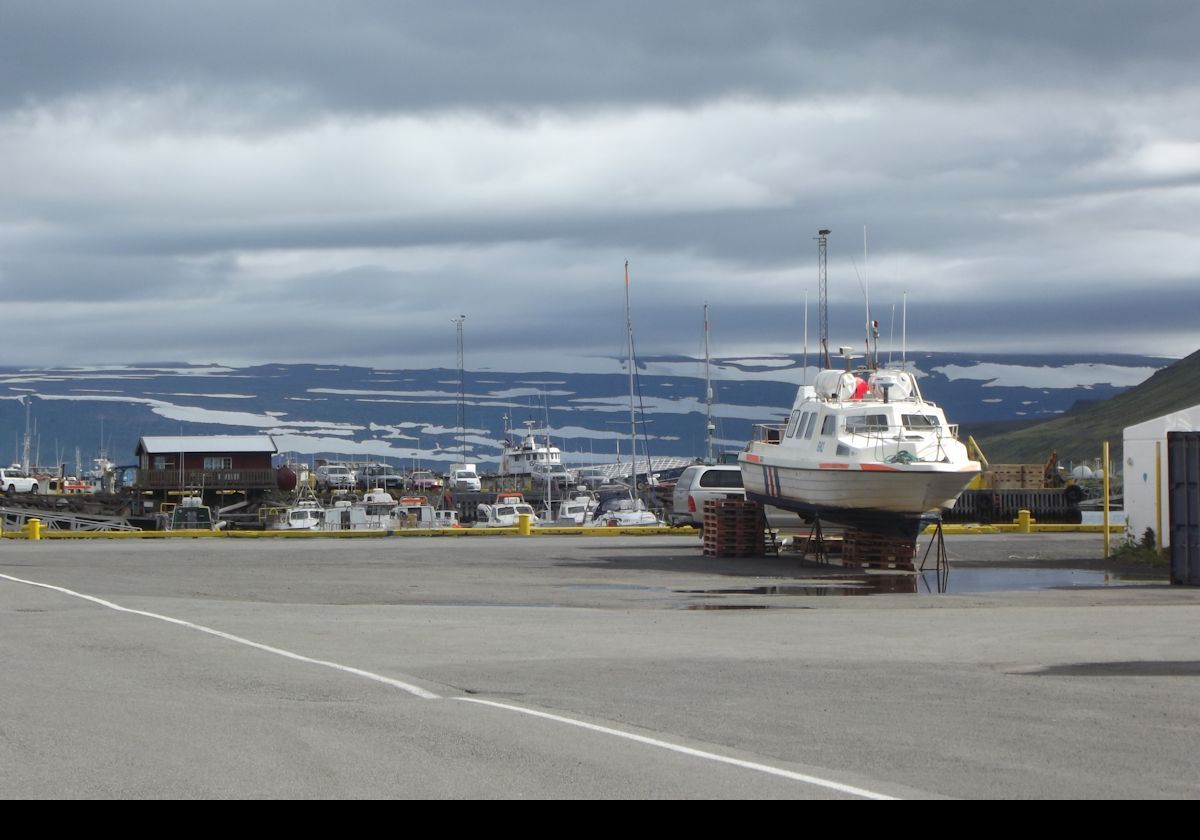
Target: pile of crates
x,y
1014,477
864,550
734,528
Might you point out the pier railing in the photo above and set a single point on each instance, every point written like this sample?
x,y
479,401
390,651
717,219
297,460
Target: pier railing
x,y
206,479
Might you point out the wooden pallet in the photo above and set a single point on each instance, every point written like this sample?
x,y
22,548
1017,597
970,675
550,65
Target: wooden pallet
x,y
734,528
864,550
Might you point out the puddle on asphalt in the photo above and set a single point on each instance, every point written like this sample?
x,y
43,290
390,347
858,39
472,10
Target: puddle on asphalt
x,y
960,581
619,587
1027,580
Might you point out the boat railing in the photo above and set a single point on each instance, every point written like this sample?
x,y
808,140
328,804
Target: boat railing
x,y
768,432
889,441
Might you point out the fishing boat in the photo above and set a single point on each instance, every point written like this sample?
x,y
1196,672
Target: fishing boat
x,y
191,514
862,449
304,513
574,509
506,512
525,456
416,512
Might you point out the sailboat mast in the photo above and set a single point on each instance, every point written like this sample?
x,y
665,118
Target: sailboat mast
x,y
708,395
632,416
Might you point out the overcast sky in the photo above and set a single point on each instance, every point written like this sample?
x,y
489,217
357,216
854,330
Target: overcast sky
x,y
292,181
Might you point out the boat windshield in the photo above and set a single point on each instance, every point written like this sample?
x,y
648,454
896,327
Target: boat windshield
x,y
867,423
920,421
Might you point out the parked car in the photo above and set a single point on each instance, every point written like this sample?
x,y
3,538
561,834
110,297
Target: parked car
x,y
335,477
14,480
698,484
553,475
375,476
424,481
465,479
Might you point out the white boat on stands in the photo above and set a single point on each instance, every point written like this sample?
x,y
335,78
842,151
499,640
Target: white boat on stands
x,y
864,450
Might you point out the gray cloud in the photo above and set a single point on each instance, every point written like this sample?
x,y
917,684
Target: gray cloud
x,y
385,56
304,182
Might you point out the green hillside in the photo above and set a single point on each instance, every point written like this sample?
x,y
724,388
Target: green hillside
x,y
1079,434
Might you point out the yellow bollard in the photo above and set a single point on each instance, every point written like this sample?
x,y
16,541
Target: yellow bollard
x,y
524,528
1023,522
33,529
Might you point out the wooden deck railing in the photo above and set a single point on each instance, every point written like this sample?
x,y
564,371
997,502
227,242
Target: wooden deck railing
x,y
205,479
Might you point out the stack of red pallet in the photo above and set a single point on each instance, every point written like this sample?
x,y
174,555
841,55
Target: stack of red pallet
x,y
734,528
877,551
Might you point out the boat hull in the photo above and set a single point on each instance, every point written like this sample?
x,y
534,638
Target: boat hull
x,y
897,501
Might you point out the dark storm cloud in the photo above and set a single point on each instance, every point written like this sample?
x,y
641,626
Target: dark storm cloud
x,y
387,56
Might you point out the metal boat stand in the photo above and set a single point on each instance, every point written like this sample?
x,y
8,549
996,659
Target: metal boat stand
x,y
815,541
941,559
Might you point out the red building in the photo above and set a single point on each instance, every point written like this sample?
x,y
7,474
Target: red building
x,y
206,462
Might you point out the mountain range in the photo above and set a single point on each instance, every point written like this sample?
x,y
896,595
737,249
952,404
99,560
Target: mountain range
x,y
408,416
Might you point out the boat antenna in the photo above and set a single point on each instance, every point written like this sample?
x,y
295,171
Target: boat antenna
x,y
823,287
870,325
804,371
892,335
708,395
904,332
632,418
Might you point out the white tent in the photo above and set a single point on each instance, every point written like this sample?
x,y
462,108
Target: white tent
x,y
1141,455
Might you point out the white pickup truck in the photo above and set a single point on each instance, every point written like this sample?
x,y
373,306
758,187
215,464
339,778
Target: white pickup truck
x,y
13,480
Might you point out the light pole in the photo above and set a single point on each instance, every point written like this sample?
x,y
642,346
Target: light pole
x,y
462,391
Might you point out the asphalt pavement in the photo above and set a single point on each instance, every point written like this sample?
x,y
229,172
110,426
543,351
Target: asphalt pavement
x,y
573,667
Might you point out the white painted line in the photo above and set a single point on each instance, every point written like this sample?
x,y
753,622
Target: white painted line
x,y
428,695
403,686
667,745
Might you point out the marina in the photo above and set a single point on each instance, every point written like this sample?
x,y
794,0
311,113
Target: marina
x,y
415,401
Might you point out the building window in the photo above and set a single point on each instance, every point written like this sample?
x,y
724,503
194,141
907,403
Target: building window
x,y
216,462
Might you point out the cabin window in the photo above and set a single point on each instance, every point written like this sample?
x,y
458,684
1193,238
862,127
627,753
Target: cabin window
x,y
793,422
843,450
163,462
829,425
867,423
218,463
810,426
920,421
